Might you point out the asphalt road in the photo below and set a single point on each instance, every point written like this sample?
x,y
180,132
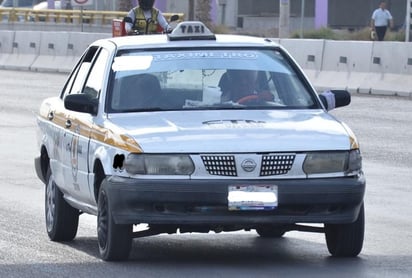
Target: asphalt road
x,y
384,129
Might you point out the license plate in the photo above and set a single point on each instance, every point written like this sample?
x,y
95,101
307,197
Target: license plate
x,y
252,197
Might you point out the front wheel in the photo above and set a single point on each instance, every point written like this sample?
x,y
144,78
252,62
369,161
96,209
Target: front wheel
x,y
115,241
346,240
62,220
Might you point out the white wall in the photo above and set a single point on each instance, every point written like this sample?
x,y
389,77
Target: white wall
x,y
230,16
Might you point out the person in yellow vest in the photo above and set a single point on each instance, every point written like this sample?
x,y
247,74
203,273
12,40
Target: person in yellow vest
x,y
146,19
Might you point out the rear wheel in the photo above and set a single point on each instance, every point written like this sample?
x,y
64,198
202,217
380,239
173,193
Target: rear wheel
x,y
271,231
62,220
115,241
346,240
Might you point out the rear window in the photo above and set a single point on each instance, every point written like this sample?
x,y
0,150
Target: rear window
x,y
206,79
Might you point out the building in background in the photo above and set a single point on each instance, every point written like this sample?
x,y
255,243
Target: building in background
x,y
261,17
355,14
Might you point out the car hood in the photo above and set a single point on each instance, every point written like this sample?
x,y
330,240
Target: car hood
x,y
234,131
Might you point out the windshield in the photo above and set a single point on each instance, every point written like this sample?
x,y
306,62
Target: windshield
x,y
206,79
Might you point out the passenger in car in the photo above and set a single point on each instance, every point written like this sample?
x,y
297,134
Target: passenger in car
x,y
140,92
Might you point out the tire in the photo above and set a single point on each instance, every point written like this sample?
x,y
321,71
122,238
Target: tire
x,y
271,231
115,241
62,220
346,240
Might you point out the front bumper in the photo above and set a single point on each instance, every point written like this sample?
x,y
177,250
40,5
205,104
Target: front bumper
x,y
204,202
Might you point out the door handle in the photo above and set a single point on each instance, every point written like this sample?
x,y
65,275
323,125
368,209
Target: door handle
x,y
68,123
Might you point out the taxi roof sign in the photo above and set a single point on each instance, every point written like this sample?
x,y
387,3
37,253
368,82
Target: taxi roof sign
x,y
191,30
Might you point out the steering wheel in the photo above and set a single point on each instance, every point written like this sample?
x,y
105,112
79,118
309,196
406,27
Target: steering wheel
x,y
248,98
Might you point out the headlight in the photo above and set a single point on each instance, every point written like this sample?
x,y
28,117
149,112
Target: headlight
x,y
355,162
325,162
333,162
152,164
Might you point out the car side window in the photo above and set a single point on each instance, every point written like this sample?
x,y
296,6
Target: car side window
x,y
95,80
76,81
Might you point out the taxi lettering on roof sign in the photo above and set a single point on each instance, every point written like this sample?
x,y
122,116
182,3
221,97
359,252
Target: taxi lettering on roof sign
x,y
194,30
196,132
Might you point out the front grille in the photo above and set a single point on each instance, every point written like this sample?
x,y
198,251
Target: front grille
x,y
220,165
225,165
276,164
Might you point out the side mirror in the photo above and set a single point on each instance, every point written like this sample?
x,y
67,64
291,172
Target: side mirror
x,y
81,103
335,98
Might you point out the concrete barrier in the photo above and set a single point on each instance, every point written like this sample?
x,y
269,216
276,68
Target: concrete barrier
x,y
76,45
6,45
345,64
25,49
392,57
52,52
358,66
390,69
307,53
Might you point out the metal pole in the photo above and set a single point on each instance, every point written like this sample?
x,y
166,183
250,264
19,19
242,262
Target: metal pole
x,y
408,20
284,12
222,4
81,17
302,16
191,10
223,14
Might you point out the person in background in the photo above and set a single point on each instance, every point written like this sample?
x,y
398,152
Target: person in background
x,y
381,18
145,19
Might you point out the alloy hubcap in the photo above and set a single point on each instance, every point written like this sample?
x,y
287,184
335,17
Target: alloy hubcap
x,y
50,204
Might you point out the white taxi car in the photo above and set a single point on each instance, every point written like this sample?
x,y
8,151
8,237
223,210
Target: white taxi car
x,y
197,132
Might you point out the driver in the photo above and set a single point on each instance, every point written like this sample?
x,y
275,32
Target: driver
x,y
145,19
241,86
